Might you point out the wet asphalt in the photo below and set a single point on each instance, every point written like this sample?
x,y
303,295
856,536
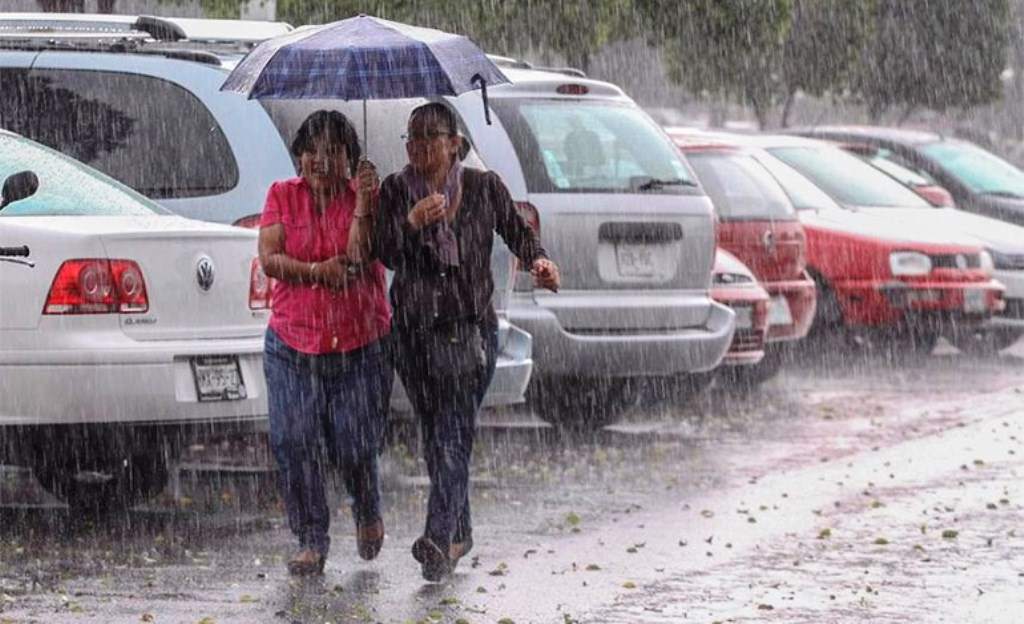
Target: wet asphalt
x,y
853,490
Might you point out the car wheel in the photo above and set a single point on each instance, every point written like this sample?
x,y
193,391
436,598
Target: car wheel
x,y
581,405
986,342
745,378
100,480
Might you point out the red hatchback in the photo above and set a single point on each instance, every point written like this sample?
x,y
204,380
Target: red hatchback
x,y
757,224
882,270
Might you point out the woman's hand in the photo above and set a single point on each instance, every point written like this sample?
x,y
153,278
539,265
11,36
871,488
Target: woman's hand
x,y
367,183
427,211
332,273
545,274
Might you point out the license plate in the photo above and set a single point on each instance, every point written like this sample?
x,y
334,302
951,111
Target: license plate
x,y
218,378
744,317
779,312
635,260
974,300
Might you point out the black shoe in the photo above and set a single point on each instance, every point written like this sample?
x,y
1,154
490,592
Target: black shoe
x,y
435,564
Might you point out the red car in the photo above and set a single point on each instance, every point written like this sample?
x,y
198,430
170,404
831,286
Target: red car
x,y
882,272
734,285
758,224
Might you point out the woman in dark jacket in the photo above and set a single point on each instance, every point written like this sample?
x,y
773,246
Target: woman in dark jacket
x,y
435,229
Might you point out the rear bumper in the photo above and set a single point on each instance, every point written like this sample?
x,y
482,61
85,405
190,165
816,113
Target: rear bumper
x,y
802,297
893,303
146,383
511,374
622,353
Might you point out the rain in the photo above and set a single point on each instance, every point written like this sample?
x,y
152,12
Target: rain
x,y
754,311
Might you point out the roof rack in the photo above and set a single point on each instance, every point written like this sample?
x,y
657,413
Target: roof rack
x,y
168,29
514,63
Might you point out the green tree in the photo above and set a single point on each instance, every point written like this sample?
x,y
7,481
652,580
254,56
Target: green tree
x,y
572,29
723,49
939,54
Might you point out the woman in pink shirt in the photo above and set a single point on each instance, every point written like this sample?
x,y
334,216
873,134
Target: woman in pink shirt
x,y
328,375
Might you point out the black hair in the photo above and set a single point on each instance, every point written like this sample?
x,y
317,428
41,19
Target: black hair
x,y
334,126
440,111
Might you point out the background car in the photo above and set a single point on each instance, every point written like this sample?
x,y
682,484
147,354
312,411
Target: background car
x,y
918,181
757,223
886,274
734,285
631,230
139,99
978,180
129,330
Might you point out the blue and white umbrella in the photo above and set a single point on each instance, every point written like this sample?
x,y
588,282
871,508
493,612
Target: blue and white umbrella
x,y
364,58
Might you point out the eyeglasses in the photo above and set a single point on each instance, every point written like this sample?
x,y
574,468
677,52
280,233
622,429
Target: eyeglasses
x,y
429,135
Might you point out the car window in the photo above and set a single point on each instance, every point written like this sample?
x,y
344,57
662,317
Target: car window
x,y
575,146
979,170
150,134
848,179
801,192
739,187
66,187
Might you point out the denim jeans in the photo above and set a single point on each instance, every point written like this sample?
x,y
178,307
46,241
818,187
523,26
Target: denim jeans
x,y
329,407
446,404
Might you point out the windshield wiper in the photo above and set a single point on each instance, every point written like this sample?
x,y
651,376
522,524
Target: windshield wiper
x,y
655,184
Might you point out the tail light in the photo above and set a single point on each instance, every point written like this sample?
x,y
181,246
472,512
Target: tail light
x,y
251,222
529,214
97,286
260,287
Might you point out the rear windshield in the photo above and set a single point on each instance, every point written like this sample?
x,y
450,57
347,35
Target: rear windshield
x,y
739,187
848,179
573,146
150,134
979,170
66,187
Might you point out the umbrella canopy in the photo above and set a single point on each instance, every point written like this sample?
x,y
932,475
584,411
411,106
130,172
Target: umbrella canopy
x,y
363,58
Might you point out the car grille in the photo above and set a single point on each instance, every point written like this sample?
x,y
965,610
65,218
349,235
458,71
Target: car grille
x,y
956,261
1014,309
1007,262
744,340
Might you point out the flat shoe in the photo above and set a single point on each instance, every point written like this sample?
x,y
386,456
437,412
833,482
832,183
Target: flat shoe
x,y
306,562
369,539
435,564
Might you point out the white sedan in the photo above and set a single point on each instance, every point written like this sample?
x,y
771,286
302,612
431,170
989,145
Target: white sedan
x,y
123,329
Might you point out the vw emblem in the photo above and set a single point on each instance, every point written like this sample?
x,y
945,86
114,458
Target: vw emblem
x,y
204,273
961,261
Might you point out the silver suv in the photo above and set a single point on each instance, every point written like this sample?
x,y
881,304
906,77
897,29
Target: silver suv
x,y
633,233
138,98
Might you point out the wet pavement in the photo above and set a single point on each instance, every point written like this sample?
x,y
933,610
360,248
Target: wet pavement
x,y
852,491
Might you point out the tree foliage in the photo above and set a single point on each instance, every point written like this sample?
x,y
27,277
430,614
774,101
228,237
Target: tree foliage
x,y
572,29
938,54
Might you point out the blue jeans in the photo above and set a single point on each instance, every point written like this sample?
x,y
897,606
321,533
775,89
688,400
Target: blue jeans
x,y
446,405
326,407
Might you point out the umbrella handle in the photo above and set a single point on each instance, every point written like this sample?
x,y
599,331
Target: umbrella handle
x,y
366,142
483,95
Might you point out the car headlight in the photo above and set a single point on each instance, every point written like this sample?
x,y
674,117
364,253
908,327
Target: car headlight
x,y
909,263
730,279
1002,261
988,261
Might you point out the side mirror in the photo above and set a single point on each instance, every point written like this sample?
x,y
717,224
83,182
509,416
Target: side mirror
x,y
19,186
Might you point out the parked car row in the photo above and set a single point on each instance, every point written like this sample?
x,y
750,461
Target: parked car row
x,y
686,256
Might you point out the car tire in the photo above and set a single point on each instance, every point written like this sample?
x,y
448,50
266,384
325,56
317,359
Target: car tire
x,y
828,328
986,342
745,378
96,478
581,406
